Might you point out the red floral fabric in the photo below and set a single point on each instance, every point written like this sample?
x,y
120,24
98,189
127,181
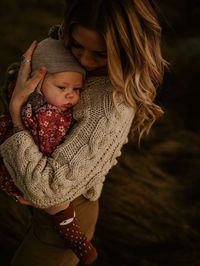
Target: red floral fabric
x,y
48,126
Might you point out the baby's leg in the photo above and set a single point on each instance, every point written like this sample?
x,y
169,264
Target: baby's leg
x,y
67,225
43,246
57,209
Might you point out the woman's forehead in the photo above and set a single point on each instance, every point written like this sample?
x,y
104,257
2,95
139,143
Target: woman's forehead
x,y
87,38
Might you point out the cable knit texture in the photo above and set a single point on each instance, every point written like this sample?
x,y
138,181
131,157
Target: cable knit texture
x,y
79,165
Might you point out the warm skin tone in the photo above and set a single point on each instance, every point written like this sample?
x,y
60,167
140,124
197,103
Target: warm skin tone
x,y
62,89
24,86
90,50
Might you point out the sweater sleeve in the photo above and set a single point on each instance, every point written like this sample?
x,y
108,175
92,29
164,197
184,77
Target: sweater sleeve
x,y
82,160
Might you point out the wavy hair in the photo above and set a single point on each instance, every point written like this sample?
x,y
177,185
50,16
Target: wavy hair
x,y
135,64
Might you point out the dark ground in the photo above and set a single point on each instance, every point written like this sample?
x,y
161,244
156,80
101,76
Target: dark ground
x,y
150,207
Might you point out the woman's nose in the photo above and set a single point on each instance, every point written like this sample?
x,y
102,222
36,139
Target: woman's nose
x,y
86,59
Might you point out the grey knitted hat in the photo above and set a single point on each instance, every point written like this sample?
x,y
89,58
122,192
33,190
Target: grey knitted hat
x,y
55,57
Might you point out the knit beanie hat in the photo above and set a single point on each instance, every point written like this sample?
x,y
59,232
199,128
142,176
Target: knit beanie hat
x,y
55,57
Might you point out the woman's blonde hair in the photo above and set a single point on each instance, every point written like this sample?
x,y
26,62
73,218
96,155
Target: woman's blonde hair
x,y
135,64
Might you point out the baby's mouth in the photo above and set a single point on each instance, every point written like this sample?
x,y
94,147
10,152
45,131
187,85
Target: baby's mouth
x,y
67,105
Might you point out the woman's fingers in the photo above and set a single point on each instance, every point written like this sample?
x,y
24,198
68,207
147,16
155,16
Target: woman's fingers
x,y
33,82
23,201
30,50
26,88
23,89
25,68
24,85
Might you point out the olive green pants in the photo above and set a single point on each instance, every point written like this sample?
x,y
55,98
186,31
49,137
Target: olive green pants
x,y
43,246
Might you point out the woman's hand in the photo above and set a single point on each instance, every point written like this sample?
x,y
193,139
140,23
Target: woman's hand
x,y
24,85
22,201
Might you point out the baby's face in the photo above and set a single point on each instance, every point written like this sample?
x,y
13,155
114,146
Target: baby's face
x,y
62,89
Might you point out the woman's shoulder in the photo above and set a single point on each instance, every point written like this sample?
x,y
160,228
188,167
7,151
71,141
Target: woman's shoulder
x,y
101,90
97,100
98,85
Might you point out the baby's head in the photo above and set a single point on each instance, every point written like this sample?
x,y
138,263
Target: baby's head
x,y
64,79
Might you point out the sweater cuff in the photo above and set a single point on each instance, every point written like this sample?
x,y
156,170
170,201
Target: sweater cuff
x,y
14,138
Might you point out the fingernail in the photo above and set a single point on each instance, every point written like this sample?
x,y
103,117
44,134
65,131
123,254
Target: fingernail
x,y
42,69
34,42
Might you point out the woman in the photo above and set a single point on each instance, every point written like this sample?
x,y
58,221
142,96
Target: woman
x,y
118,43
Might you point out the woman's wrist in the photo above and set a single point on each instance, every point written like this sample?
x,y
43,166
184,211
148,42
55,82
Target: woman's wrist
x,y
17,123
16,120
17,129
15,107
15,113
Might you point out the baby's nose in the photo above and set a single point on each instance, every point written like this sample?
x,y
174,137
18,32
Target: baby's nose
x,y
69,95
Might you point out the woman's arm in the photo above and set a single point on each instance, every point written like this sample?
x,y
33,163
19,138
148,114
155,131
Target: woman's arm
x,y
24,86
82,161
85,157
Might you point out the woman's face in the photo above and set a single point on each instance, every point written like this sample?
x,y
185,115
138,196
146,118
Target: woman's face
x,y
88,47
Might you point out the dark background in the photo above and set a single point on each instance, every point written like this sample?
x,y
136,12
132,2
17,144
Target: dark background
x,y
150,207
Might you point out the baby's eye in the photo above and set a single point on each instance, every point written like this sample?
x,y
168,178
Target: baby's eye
x,y
61,88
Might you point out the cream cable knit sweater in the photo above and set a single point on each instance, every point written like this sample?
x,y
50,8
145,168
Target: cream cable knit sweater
x,y
79,165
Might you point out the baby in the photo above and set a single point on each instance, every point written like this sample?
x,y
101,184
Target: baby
x,y
48,115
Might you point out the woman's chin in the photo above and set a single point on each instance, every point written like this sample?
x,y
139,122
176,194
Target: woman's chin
x,y
102,71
